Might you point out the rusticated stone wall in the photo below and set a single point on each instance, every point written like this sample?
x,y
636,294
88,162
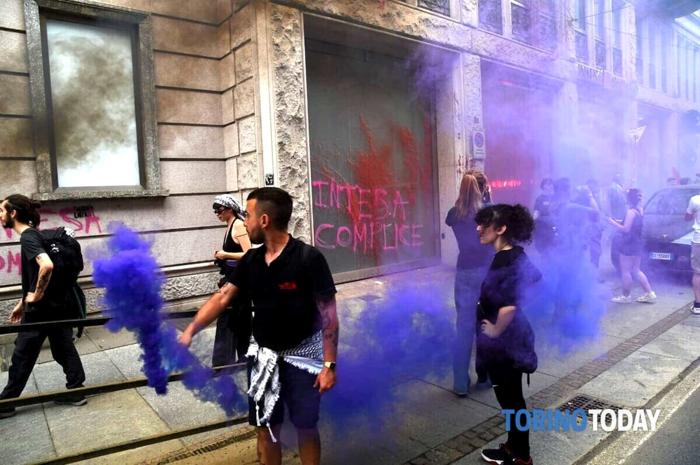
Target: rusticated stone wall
x,y
289,107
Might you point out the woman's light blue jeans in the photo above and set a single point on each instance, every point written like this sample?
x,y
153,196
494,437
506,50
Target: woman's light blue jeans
x,y
467,289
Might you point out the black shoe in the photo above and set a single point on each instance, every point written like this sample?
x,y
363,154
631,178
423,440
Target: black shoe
x,y
71,399
498,456
7,412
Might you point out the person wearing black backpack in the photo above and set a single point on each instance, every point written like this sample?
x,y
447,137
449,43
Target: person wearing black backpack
x,y
505,343
45,297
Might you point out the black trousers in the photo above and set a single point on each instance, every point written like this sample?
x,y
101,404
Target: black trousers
x,y
508,385
27,348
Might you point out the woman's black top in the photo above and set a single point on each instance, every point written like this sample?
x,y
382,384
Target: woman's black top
x,y
472,253
227,266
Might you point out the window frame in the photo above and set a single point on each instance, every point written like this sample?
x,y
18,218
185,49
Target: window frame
x,y
36,13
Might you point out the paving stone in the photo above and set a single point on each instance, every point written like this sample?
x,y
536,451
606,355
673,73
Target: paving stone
x,y
29,422
127,359
83,344
179,408
434,415
637,379
460,443
693,320
104,415
477,442
681,341
99,369
547,448
105,339
442,455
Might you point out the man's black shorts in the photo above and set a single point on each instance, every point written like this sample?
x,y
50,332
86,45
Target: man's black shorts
x,y
299,395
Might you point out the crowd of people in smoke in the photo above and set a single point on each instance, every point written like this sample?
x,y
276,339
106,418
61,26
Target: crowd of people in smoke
x,y
283,295
574,220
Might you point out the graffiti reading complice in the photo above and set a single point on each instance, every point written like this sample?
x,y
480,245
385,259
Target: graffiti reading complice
x,y
378,218
379,205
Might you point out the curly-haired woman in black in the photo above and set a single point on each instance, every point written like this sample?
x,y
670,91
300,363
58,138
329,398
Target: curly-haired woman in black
x,y
505,341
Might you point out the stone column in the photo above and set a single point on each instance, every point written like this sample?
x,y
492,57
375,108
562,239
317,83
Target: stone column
x,y
284,108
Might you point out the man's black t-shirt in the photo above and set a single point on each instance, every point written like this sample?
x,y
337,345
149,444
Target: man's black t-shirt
x,y
283,295
54,303
32,245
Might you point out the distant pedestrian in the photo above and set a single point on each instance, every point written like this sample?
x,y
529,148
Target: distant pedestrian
x,y
232,326
484,185
617,209
543,202
39,303
693,213
472,263
545,233
505,343
592,229
631,248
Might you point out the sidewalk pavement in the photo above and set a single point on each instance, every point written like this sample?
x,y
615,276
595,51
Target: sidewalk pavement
x,y
641,349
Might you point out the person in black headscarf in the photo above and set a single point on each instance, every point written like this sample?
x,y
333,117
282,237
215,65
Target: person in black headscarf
x,y
232,327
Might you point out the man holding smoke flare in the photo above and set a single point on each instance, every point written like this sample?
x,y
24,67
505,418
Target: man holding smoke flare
x,y
291,359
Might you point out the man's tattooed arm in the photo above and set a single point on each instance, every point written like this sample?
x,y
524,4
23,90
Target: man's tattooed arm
x,y
42,281
330,327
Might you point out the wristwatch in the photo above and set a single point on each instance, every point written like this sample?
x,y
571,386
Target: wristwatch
x,y
329,365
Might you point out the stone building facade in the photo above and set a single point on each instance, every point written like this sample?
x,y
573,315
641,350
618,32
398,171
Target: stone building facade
x,y
238,100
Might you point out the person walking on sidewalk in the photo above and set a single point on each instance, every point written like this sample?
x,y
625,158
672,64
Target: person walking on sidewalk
x,y
472,263
37,305
233,325
631,249
294,346
693,213
505,343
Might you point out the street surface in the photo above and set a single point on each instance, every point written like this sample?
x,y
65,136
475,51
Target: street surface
x,y
676,442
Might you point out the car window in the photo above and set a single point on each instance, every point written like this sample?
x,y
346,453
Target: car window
x,y
670,202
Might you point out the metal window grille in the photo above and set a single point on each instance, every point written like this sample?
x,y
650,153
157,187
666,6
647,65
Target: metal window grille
x,y
600,54
617,61
581,46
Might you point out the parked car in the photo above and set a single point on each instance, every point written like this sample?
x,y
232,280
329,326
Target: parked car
x,y
667,235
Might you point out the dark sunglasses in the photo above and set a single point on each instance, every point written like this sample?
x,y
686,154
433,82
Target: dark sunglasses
x,y
219,210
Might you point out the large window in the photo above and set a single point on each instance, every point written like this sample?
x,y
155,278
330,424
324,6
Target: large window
x,y
491,15
600,47
438,6
580,30
92,97
520,14
618,6
372,152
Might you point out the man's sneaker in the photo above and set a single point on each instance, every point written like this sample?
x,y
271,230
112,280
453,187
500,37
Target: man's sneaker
x,y
695,309
497,456
71,399
647,298
622,299
7,412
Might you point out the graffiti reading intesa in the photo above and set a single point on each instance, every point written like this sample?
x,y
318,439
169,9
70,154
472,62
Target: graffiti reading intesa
x,y
82,219
378,218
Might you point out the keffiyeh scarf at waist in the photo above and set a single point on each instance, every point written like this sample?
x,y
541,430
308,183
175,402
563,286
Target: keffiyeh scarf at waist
x,y
264,376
